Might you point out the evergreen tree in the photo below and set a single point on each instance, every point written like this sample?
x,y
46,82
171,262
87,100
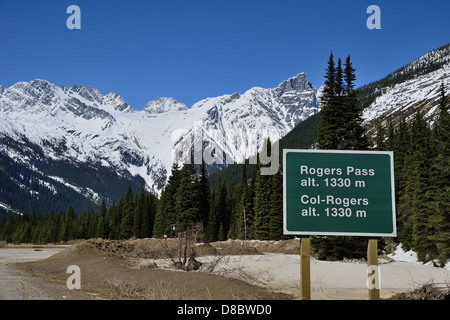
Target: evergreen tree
x,y
330,110
380,139
414,210
113,221
263,186
82,226
443,101
212,229
127,223
401,148
276,207
391,137
68,225
139,213
161,225
441,181
118,218
263,204
339,85
352,133
222,213
203,194
171,189
92,223
71,218
102,227
250,209
340,129
148,220
186,198
165,216
239,224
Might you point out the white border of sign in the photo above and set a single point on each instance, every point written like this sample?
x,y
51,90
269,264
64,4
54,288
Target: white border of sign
x,y
319,233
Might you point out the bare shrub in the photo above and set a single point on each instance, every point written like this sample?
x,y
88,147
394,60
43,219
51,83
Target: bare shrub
x,y
215,262
241,272
186,254
127,289
160,290
2,244
168,291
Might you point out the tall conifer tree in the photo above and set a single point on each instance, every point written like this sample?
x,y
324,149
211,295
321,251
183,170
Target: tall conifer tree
x,y
327,138
340,129
186,198
276,207
126,224
203,194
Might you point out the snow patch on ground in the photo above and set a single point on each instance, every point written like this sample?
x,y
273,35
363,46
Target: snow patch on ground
x,y
411,256
402,255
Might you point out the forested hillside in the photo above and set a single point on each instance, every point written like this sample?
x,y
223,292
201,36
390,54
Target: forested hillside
x,y
422,181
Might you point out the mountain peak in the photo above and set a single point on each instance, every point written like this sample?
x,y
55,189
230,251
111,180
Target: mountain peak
x,y
298,83
164,104
39,86
39,82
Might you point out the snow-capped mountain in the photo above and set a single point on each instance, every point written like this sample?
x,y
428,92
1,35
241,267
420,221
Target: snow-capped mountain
x,y
75,142
413,87
238,123
42,123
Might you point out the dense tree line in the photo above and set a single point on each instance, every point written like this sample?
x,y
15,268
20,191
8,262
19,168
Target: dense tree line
x,y
132,216
251,209
422,180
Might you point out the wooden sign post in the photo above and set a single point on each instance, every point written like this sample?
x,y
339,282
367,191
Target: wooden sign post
x,y
372,270
305,264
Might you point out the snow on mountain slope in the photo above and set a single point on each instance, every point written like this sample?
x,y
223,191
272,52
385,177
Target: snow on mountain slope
x,y
162,105
407,94
81,125
238,123
417,92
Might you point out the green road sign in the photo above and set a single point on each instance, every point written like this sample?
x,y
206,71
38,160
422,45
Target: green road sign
x,y
329,192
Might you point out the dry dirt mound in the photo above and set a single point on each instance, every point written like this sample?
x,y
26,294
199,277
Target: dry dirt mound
x,y
233,247
139,248
107,273
160,249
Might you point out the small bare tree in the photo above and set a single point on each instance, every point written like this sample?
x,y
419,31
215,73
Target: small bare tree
x,y
187,240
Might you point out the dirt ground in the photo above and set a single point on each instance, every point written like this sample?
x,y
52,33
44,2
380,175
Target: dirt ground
x,y
17,284
228,270
114,270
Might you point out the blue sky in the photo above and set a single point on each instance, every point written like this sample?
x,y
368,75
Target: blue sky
x,y
193,49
